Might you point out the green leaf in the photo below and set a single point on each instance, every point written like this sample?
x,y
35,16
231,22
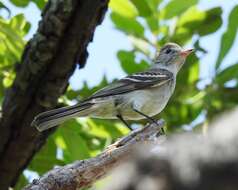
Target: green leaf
x,y
189,72
193,70
127,60
21,182
196,21
68,137
175,8
19,24
193,16
124,8
143,7
40,3
181,36
20,3
13,42
46,158
228,36
212,21
107,129
154,4
86,91
227,74
128,25
201,22
8,80
11,46
153,24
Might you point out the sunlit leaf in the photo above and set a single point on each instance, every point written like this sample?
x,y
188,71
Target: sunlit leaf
x,y
193,70
98,130
124,8
127,60
228,36
11,34
20,3
197,21
143,7
40,3
227,74
128,25
111,130
154,4
73,145
12,43
8,79
175,8
181,36
192,16
211,22
187,22
19,24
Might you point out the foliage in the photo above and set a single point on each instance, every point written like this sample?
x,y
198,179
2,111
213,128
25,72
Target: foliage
x,y
229,36
148,24
11,46
178,21
24,3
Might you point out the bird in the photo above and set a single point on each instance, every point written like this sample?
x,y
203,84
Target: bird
x,y
141,95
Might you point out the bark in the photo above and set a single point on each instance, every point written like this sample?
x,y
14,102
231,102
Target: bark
x,y
84,173
187,162
48,61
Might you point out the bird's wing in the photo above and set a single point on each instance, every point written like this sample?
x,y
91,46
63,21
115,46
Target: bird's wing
x,y
137,81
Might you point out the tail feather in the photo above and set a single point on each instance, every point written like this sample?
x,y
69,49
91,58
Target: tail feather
x,y
55,117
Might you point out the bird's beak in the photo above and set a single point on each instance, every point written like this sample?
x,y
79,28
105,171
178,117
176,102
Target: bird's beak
x,y
185,53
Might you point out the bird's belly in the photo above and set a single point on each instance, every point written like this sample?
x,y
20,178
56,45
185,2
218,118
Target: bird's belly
x,y
156,103
150,102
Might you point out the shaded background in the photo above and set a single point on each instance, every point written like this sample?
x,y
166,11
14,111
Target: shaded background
x,y
125,43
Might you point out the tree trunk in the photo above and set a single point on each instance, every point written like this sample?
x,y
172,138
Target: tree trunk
x,y
48,61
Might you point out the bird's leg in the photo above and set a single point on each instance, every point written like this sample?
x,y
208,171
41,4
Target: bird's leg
x,y
119,116
152,120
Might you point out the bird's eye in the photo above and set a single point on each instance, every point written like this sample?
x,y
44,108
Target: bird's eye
x,y
168,51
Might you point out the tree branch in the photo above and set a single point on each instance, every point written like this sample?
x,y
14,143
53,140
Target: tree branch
x,y
187,162
48,61
84,173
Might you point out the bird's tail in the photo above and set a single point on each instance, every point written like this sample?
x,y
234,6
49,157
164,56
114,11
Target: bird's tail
x,y
55,117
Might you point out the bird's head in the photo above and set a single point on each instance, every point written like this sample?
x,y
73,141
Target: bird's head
x,y
171,56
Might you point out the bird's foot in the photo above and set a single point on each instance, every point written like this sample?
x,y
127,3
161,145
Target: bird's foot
x,y
156,122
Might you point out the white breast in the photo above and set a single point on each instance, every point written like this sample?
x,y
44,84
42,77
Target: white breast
x,y
153,101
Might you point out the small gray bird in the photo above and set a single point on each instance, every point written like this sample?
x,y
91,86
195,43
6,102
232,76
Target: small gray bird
x,y
138,96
